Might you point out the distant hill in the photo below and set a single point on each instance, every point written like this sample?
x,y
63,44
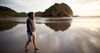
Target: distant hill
x,y
39,14
57,10
8,12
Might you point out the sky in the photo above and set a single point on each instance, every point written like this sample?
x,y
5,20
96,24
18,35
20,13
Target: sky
x,y
79,7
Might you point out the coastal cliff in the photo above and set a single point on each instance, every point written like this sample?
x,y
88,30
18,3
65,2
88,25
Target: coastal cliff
x,y
56,10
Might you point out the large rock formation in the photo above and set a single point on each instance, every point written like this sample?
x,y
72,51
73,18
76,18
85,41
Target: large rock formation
x,y
58,10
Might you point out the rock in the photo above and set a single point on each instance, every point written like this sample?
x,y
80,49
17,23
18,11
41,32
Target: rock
x,y
58,10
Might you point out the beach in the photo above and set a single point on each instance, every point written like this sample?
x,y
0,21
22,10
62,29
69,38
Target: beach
x,y
81,37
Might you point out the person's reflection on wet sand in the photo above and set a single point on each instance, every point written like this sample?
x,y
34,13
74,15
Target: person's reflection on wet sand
x,y
27,51
35,51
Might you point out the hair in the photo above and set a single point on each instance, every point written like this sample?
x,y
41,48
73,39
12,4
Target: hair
x,y
31,15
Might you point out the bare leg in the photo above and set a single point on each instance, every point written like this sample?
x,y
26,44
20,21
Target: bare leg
x,y
26,46
34,41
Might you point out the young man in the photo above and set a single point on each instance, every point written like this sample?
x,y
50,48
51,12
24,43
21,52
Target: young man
x,y
31,30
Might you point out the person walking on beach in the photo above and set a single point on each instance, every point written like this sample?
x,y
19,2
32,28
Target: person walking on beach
x,y
31,30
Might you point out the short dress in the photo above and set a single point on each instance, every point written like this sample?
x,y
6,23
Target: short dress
x,y
30,28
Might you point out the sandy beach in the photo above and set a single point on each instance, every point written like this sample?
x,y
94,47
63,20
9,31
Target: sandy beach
x,y
80,37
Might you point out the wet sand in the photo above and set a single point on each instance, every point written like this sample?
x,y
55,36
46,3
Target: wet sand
x,y
77,39
73,40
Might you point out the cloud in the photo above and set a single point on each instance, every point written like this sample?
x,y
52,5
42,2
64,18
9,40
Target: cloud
x,y
33,5
40,5
5,2
12,4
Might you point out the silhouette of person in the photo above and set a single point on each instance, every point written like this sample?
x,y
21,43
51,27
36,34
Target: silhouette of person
x,y
31,30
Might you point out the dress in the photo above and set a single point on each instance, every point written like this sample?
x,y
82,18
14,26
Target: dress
x,y
30,28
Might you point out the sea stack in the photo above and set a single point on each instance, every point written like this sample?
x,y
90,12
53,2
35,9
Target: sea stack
x,y
58,10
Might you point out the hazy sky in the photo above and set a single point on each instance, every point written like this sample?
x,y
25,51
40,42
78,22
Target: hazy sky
x,y
79,7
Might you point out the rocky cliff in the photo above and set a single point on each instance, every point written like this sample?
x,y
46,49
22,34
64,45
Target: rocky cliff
x,y
58,10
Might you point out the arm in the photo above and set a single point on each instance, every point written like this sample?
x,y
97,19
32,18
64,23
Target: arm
x,y
32,28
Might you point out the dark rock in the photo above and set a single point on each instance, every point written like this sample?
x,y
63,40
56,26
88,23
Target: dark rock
x,y
58,10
